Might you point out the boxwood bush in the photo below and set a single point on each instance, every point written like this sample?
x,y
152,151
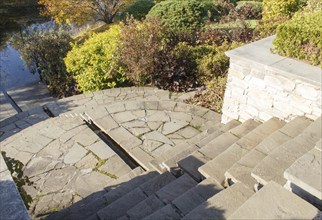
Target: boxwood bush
x,y
180,15
138,9
301,38
276,12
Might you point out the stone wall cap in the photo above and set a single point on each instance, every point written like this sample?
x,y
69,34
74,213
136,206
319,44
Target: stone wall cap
x,y
259,52
13,207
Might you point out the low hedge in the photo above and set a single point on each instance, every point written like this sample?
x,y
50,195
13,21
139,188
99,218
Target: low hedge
x,y
180,16
276,12
301,38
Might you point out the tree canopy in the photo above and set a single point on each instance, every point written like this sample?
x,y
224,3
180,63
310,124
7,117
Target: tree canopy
x,y
80,11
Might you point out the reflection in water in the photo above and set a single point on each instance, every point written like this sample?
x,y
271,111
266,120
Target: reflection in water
x,y
13,73
14,16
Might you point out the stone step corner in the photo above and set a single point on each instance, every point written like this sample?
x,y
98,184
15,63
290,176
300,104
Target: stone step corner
x,y
275,202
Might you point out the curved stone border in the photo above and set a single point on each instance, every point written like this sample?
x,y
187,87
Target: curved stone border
x,y
147,129
67,161
20,121
104,97
77,104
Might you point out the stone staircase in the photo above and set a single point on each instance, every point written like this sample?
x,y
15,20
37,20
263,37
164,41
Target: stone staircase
x,y
189,165
209,199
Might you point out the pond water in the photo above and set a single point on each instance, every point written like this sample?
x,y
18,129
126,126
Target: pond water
x,y
14,17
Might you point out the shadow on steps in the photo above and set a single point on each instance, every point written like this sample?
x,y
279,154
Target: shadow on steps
x,y
88,207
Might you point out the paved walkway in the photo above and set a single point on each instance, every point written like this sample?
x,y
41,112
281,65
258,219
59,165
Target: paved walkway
x,y
73,171
67,161
6,110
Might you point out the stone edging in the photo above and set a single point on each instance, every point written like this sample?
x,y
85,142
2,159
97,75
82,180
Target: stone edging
x,y
11,204
259,53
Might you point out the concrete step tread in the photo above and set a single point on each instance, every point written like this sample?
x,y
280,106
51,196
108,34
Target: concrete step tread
x,y
197,195
241,131
147,183
147,187
296,126
173,162
188,145
119,207
166,212
158,182
223,204
191,163
162,197
226,127
214,147
175,188
217,167
274,202
186,202
241,170
272,167
306,173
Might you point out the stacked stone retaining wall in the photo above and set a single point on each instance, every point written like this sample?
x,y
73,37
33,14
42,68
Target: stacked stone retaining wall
x,y
262,85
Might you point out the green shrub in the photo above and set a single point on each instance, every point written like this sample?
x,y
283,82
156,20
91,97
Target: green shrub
x,y
312,6
138,9
213,96
240,31
249,9
301,38
276,12
95,64
212,11
216,63
176,68
180,16
43,50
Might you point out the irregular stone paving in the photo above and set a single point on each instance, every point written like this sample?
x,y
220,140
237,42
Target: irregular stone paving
x,y
147,129
77,104
18,122
81,102
65,160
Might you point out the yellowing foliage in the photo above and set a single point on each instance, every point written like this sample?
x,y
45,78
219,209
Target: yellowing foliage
x,y
67,11
95,64
80,11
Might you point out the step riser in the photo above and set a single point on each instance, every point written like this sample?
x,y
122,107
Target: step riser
x,y
221,206
172,163
161,198
273,166
134,197
217,167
